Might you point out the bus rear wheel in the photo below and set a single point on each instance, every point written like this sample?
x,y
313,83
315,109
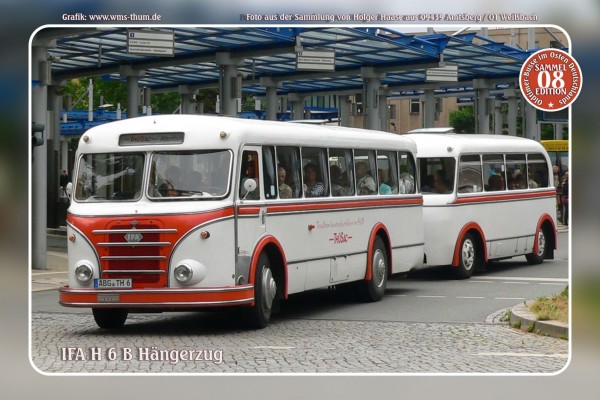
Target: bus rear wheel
x,y
374,289
542,243
265,293
469,258
110,318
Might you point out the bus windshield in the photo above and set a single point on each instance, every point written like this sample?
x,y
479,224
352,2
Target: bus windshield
x,y
110,177
189,174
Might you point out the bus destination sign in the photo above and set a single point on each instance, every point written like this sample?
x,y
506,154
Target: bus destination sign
x,y
143,139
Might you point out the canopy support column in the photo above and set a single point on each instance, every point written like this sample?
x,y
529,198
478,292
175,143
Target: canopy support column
x,y
371,82
297,101
482,106
271,85
230,83
133,89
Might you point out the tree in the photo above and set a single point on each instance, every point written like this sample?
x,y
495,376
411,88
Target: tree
x,y
463,120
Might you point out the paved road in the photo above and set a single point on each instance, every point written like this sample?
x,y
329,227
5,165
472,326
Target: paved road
x,y
426,323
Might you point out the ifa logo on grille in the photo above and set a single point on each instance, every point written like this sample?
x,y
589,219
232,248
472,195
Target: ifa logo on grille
x,y
133,237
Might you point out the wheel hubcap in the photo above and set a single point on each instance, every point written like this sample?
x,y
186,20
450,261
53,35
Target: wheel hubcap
x,y
269,287
468,254
541,243
378,268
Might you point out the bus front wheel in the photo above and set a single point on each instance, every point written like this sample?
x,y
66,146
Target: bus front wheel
x,y
469,259
542,243
265,292
110,318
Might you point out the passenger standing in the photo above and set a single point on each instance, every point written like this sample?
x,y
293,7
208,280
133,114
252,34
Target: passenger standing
x,y
63,181
565,199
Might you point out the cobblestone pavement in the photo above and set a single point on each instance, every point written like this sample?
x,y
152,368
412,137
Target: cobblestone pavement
x,y
163,343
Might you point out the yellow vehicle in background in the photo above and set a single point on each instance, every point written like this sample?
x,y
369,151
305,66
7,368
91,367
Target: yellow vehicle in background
x,y
558,150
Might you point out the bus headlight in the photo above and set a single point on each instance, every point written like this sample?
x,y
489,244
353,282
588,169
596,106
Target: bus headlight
x,y
83,273
183,273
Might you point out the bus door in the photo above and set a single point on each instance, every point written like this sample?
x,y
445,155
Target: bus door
x,y
251,210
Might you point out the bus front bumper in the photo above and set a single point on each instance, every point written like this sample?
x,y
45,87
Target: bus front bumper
x,y
157,298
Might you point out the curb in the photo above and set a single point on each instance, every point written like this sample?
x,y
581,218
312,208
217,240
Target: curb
x,y
61,231
522,318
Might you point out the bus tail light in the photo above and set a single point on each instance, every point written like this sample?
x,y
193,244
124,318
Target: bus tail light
x,y
84,273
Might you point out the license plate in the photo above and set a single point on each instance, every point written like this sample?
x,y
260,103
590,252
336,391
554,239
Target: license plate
x,y
125,283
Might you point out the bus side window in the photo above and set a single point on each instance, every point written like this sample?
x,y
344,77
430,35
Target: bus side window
x,y
288,167
315,177
537,170
493,172
249,171
516,171
365,166
469,174
407,172
341,172
269,172
387,170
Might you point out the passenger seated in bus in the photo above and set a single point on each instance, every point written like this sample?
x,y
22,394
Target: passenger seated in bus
x,y
428,184
407,183
166,189
313,186
384,188
496,182
520,181
285,191
337,187
173,176
512,184
440,183
364,182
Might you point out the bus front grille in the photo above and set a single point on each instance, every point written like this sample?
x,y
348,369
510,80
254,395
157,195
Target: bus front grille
x,y
138,251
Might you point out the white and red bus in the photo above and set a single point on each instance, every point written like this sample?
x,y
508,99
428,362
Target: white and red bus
x,y
485,197
185,212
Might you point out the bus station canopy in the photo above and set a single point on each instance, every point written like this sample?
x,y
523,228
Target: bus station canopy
x,y
401,59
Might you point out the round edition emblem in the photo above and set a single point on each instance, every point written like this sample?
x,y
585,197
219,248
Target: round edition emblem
x,y
550,79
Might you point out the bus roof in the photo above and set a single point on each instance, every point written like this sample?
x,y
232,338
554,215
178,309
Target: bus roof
x,y
432,130
206,131
436,145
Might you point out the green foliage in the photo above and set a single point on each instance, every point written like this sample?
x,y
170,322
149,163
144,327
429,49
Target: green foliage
x,y
165,103
209,98
463,120
248,102
114,91
553,308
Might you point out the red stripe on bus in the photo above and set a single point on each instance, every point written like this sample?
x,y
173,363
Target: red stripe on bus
x,y
343,204
248,210
506,196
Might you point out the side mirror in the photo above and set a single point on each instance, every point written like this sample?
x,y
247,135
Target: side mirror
x,y
69,190
250,186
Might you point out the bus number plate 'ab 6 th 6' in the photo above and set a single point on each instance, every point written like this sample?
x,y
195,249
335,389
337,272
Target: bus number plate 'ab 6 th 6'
x,y
113,283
